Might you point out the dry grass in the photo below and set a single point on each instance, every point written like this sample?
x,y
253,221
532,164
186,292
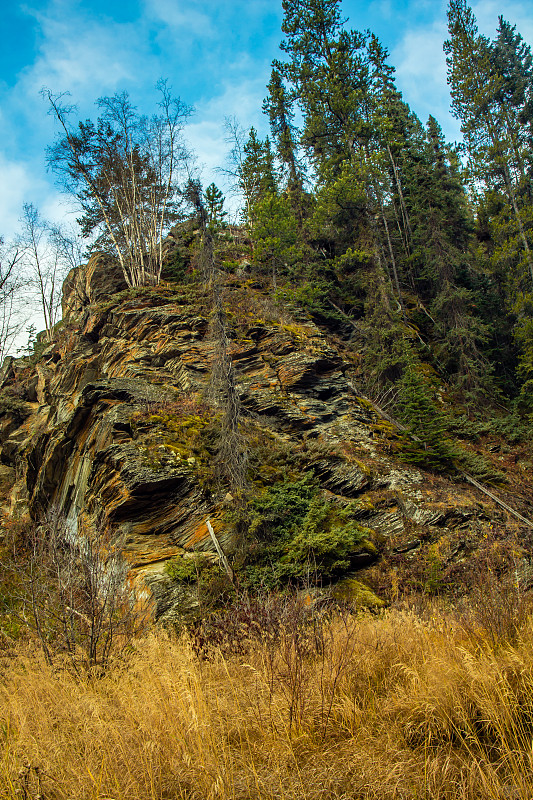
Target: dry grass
x,y
384,707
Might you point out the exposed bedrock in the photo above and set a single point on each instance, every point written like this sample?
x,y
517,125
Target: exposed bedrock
x,y
107,425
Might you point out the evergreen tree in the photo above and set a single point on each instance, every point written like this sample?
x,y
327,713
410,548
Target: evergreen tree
x,y
491,127
441,249
276,236
513,63
392,120
278,106
257,176
492,95
325,70
330,72
429,446
214,203
391,218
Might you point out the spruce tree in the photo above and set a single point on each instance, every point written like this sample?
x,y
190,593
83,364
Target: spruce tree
x,y
214,206
257,174
429,445
491,130
278,106
276,237
491,86
442,246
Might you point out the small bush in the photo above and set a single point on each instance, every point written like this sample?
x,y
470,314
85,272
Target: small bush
x,y
326,541
186,570
71,594
211,584
292,533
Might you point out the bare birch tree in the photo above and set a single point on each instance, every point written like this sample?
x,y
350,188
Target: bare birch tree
x,y
68,244
12,316
124,173
241,183
73,592
44,264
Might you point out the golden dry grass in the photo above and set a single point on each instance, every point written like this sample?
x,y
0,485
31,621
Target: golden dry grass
x,y
377,707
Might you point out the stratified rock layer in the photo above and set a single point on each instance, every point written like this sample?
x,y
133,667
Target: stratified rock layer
x,y
90,434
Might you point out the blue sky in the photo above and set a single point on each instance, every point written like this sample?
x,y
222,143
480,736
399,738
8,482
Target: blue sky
x,y
216,56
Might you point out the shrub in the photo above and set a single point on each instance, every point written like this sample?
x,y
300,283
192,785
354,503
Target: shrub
x,y
293,533
211,584
71,592
185,569
326,541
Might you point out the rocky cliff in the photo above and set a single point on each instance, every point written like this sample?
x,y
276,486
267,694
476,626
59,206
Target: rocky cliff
x,y
110,423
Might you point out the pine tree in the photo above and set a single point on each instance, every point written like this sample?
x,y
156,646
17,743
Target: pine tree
x,y
480,95
429,446
257,176
330,70
325,70
278,106
513,63
214,202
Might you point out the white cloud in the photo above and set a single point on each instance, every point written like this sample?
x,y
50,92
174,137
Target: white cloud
x,y
241,99
421,72
421,63
381,8
17,181
190,18
86,56
517,13
22,184
58,209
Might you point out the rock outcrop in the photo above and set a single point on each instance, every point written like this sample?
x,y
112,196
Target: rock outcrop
x,y
111,425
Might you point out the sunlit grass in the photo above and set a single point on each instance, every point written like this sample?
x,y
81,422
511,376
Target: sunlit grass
x,y
391,706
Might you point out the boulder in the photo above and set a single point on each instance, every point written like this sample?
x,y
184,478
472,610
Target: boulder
x,y
97,281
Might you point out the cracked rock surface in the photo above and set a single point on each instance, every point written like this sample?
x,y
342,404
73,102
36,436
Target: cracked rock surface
x,y
88,433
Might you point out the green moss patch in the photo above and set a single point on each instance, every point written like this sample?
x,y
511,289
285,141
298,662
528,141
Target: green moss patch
x,y
353,592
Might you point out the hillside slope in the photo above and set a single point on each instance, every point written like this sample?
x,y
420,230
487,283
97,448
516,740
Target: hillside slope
x,y
114,425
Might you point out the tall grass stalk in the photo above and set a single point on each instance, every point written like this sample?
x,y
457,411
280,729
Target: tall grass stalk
x,y
394,707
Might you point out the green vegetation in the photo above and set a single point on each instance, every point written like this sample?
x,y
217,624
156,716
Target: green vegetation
x,y
414,259
186,570
186,430
290,533
418,252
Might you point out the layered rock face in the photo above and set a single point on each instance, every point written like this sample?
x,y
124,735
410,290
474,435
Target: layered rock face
x,y
112,426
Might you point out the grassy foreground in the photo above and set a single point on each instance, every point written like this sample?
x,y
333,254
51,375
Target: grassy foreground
x,y
401,705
